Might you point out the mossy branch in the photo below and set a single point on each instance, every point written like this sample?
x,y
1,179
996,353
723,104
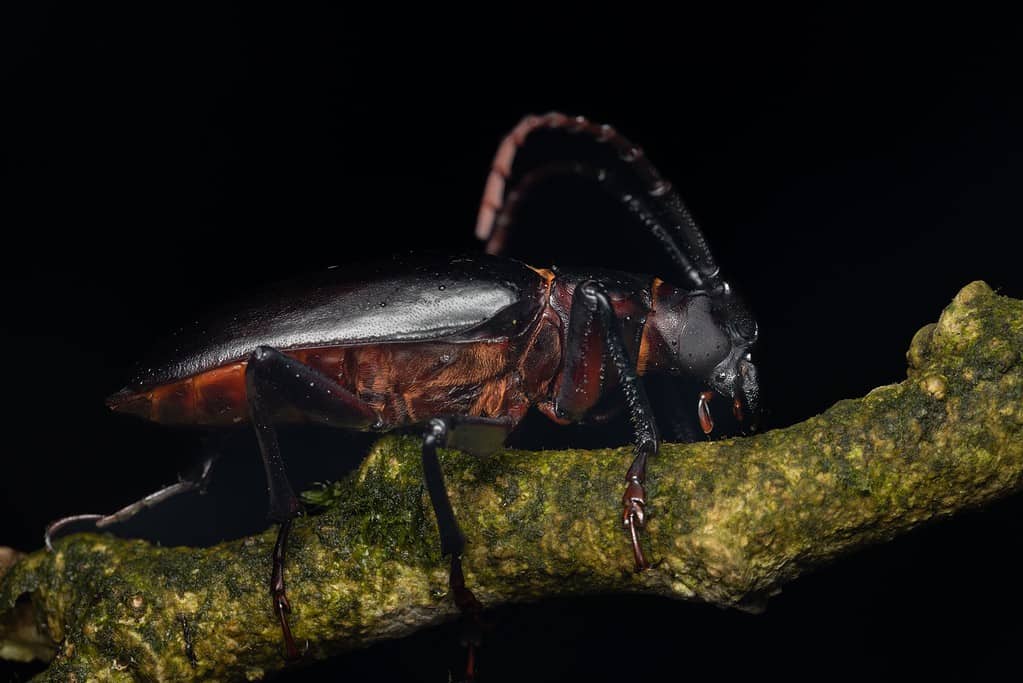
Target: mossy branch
x,y
732,521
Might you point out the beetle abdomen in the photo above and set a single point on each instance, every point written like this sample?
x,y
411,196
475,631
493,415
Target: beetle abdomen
x,y
402,383
214,397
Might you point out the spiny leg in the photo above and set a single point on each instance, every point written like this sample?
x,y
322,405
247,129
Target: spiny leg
x,y
476,435
594,343
195,480
595,299
273,380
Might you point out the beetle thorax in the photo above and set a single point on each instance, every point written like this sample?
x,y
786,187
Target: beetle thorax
x,y
682,336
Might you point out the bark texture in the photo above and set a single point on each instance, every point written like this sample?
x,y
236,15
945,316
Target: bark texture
x,y
731,521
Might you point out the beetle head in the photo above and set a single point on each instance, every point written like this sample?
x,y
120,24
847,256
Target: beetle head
x,y
736,375
709,337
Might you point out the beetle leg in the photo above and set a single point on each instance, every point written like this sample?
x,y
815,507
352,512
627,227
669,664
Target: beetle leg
x,y
593,302
582,379
272,380
192,481
595,343
463,433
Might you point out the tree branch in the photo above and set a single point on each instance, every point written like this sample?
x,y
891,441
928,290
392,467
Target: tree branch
x,y
732,521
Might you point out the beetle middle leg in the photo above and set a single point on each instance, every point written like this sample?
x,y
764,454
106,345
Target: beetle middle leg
x,y
273,381
476,435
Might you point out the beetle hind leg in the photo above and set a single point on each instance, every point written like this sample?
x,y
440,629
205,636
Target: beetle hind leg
x,y
274,380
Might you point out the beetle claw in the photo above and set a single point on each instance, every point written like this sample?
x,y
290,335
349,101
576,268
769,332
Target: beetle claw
x,y
472,622
634,519
703,411
282,608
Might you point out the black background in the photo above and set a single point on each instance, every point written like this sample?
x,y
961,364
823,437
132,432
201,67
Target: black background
x,y
852,173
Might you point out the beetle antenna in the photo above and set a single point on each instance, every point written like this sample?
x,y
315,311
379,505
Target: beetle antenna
x,y
638,205
658,206
54,527
501,219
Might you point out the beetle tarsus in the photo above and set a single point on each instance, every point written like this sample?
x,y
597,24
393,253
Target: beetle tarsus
x,y
470,665
282,606
472,625
634,518
633,525
464,598
472,620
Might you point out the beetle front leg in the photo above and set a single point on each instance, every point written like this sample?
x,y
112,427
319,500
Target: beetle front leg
x,y
595,333
273,380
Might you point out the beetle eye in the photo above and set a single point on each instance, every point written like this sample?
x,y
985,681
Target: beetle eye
x,y
746,327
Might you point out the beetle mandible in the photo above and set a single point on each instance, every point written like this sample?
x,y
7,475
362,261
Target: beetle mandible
x,y
464,346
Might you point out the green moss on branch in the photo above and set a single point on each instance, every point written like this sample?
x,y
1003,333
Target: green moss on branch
x,y
732,520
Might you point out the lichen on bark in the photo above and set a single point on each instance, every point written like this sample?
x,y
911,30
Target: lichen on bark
x,y
732,520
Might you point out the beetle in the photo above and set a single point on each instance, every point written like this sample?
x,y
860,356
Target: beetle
x,y
463,345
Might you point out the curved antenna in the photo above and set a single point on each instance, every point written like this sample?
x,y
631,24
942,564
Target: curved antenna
x,y
658,206
501,218
637,205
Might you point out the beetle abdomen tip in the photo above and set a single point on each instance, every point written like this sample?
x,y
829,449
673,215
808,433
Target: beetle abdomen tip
x,y
128,401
